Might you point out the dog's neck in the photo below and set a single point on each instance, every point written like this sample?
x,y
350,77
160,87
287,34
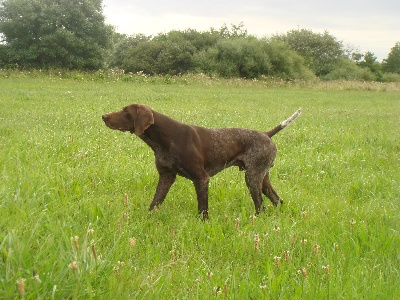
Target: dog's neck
x,y
159,134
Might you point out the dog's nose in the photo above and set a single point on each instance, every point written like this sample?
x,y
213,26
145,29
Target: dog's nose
x,y
104,117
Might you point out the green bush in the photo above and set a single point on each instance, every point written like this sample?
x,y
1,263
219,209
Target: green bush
x,y
122,46
348,70
251,58
235,57
286,63
159,57
390,77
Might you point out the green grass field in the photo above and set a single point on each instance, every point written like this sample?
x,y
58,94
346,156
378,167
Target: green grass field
x,y
74,195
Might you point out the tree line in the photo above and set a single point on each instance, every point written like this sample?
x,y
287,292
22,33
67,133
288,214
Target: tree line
x,y
72,34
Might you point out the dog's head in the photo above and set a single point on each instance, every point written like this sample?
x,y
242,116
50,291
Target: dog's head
x,y
135,118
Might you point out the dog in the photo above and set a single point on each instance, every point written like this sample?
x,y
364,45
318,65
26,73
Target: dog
x,y
198,153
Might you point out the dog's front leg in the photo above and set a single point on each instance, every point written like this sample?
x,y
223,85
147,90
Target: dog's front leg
x,y
164,183
201,186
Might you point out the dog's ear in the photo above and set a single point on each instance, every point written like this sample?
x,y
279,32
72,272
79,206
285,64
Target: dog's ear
x,y
142,119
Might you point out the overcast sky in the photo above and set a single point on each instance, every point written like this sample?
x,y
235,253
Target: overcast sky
x,y
369,25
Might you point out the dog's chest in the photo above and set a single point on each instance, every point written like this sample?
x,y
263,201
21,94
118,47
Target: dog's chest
x,y
169,159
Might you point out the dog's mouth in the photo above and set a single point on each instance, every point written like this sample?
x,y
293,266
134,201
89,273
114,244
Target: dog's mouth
x,y
115,127
112,125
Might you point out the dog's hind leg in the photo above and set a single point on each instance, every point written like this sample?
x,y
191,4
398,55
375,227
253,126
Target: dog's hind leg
x,y
254,183
269,191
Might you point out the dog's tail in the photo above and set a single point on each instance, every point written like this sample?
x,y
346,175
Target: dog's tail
x,y
285,123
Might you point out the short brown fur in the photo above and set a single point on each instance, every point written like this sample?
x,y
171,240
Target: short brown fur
x,y
197,153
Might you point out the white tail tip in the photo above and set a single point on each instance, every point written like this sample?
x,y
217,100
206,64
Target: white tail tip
x,y
290,119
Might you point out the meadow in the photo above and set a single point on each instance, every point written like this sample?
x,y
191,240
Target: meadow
x,y
74,195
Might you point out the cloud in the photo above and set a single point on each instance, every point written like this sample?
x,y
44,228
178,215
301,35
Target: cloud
x,y
368,25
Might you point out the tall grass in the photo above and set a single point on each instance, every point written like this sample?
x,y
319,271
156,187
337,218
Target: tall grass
x,y
74,195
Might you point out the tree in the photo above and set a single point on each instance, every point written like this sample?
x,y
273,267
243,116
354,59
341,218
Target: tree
x,y
392,63
236,31
320,51
370,63
123,45
55,33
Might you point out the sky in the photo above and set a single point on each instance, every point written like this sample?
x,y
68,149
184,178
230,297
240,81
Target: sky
x,y
368,25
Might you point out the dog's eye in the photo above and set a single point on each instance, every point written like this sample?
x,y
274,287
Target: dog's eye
x,y
127,114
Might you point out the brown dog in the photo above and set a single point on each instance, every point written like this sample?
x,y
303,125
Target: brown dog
x,y
198,153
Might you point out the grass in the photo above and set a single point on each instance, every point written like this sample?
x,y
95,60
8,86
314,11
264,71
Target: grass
x,y
74,195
